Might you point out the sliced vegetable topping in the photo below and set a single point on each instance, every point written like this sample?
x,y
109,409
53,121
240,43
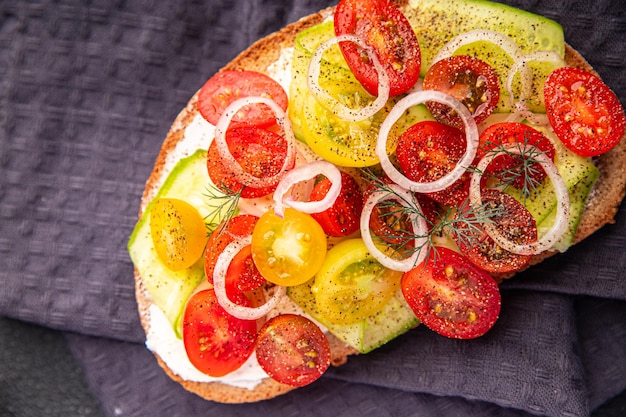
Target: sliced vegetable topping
x,y
471,81
304,173
560,224
451,296
219,282
293,350
442,182
511,219
335,106
229,159
428,151
351,284
384,28
288,250
584,112
216,342
178,232
389,256
259,152
342,218
518,169
225,87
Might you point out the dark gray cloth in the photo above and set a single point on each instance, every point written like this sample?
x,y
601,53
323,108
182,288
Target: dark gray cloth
x,y
88,91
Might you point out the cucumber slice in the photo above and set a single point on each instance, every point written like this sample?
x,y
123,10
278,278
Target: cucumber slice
x,y
578,199
436,22
395,318
573,169
170,289
578,173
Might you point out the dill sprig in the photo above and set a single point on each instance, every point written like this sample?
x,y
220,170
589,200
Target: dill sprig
x,y
222,204
525,170
462,222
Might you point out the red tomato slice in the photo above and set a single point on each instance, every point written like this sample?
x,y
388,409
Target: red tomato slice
x,y
451,296
470,80
583,111
242,275
227,86
292,350
343,217
216,342
514,222
509,168
260,152
429,150
388,224
383,26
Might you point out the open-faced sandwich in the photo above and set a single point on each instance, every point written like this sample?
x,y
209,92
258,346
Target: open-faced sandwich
x,y
367,169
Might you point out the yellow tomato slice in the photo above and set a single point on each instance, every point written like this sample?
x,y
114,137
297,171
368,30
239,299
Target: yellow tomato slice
x,y
178,233
288,250
352,285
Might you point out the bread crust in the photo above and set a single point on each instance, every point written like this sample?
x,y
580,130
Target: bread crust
x,y
609,190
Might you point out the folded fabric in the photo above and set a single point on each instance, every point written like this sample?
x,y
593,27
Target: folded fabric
x,y
532,363
88,93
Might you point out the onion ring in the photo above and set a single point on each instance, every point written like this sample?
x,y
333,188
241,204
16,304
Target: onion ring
x,y
420,229
520,66
329,102
304,173
219,285
229,160
505,43
562,215
471,133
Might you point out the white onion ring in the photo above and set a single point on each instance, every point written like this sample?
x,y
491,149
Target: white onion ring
x,y
305,173
520,65
471,133
229,160
524,113
420,228
335,106
562,215
504,42
219,285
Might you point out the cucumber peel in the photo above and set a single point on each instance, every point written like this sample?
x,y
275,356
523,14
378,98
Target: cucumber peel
x,y
436,22
393,319
170,289
578,173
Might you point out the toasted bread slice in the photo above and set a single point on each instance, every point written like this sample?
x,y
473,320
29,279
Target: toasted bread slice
x,y
601,208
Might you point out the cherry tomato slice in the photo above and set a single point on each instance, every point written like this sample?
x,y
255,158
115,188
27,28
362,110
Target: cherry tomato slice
x,y
352,285
216,342
429,150
178,233
583,111
391,224
342,219
383,26
227,86
288,250
260,152
242,275
470,80
292,350
451,296
510,168
514,222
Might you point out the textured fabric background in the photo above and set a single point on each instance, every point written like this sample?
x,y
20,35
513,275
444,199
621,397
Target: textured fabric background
x,y
88,90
